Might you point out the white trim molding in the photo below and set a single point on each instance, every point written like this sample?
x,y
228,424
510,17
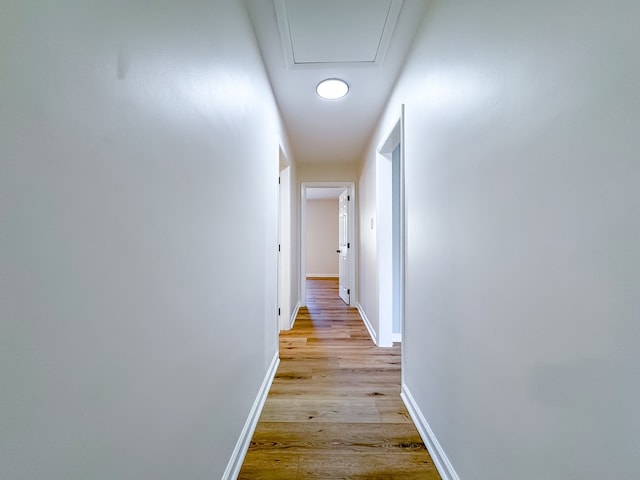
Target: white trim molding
x,y
396,338
367,323
438,456
242,445
322,275
294,315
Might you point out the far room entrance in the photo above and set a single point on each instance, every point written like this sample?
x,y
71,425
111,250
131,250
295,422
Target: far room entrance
x,y
327,243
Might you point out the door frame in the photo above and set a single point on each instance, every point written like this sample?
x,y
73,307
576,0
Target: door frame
x,y
351,188
388,303
284,242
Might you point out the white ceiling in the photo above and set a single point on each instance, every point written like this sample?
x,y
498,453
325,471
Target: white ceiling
x,y
364,42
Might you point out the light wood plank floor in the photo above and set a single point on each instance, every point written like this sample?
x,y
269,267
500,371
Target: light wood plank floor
x,y
334,409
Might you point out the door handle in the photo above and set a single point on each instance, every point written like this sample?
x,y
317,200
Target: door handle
x,y
338,251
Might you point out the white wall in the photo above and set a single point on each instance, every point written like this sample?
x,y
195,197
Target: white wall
x,y
137,280
328,172
367,251
322,237
522,298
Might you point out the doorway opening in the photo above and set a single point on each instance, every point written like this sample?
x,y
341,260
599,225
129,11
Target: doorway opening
x,y
285,310
342,247
390,235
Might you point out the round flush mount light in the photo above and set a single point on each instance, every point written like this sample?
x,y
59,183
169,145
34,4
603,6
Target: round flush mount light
x,y
332,88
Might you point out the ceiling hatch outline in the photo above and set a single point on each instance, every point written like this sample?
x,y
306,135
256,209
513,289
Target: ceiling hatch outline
x,y
367,51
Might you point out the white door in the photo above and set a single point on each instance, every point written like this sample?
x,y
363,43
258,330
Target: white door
x,y
343,247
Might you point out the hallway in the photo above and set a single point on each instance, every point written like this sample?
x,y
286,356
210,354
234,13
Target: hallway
x,y
153,157
334,408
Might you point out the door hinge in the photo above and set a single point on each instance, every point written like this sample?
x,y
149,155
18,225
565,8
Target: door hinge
x,y
278,311
278,247
348,198
348,245
348,291
278,180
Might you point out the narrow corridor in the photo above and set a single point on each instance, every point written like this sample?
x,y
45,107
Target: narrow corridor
x,y
334,409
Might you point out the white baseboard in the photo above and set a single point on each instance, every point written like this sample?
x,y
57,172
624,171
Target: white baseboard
x,y
396,338
294,315
322,275
438,456
242,445
367,323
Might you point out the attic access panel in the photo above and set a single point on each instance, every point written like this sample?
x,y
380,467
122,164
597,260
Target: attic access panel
x,y
336,32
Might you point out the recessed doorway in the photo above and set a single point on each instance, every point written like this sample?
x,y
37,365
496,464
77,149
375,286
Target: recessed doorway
x,y
343,256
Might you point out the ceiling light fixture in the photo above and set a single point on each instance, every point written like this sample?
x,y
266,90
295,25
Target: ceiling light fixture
x,y
332,88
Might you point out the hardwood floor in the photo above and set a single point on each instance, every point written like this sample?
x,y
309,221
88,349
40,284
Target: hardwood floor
x,y
334,409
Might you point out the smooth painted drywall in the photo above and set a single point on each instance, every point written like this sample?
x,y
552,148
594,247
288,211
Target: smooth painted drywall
x,y
138,279
328,172
322,237
367,251
522,259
